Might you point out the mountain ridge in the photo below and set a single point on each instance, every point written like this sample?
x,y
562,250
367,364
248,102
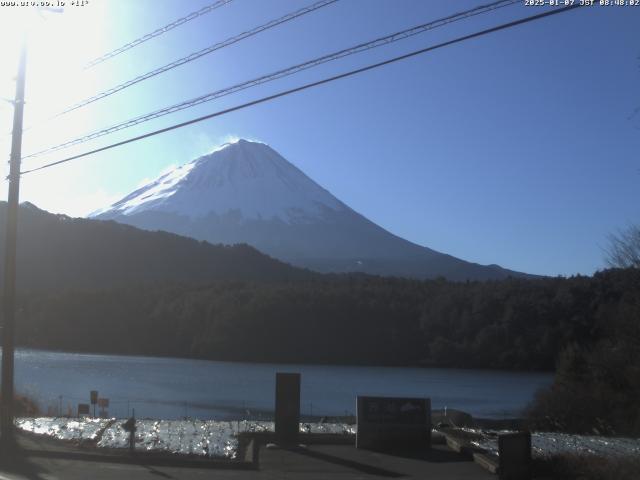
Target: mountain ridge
x,y
245,192
57,252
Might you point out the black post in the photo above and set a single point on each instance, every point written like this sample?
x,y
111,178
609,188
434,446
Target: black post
x,y
287,424
9,295
130,426
514,453
93,396
132,433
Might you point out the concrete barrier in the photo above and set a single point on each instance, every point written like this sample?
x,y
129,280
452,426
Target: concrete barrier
x,y
514,451
393,424
287,407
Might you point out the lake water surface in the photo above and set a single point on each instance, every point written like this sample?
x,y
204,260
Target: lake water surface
x,y
174,388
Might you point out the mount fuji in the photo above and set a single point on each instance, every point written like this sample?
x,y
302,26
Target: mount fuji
x,y
245,192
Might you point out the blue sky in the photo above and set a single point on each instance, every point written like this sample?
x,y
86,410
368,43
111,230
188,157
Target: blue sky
x,y
516,148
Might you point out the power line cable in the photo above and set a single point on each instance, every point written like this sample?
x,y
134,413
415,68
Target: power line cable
x,y
134,43
311,85
155,33
193,56
280,74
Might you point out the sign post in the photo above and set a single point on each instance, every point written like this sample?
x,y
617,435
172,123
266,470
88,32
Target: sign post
x,y
103,403
93,395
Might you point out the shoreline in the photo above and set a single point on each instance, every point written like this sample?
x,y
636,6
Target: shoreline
x,y
419,366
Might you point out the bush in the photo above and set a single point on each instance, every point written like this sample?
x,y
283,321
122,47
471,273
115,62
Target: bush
x,y
25,407
595,390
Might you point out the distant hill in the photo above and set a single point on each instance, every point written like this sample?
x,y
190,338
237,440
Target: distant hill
x,y
59,252
246,192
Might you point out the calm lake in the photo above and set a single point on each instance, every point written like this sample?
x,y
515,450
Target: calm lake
x,y
172,388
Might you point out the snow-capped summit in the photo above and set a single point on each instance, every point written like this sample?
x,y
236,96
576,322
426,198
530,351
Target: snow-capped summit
x,y
238,177
245,192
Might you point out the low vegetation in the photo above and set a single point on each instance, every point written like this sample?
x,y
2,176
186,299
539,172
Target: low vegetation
x,y
25,406
585,467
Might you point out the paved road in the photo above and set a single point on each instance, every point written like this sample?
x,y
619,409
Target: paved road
x,y
45,460
346,462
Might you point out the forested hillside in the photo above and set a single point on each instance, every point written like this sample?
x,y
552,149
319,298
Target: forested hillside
x,y
513,324
56,252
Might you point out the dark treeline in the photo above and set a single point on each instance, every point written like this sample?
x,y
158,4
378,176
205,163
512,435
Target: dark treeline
x,y
597,383
508,324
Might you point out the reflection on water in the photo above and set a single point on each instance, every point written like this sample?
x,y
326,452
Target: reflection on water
x,y
176,388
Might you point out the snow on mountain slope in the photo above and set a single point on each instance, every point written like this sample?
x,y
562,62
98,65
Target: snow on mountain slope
x,y
245,192
237,177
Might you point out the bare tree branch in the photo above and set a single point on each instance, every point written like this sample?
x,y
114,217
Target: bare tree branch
x,y
624,248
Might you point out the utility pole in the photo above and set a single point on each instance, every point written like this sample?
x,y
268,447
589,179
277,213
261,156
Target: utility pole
x,y
9,295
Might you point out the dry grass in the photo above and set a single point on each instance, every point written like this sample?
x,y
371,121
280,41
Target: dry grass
x,y
587,467
25,407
